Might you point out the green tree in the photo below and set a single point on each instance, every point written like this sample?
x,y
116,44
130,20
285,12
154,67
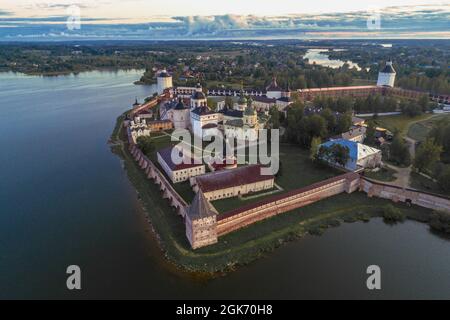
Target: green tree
x,y
370,133
330,118
444,179
274,117
427,155
335,153
315,145
146,145
344,123
392,214
399,151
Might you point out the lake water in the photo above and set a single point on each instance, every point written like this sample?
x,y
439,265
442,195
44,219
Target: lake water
x,y
320,57
65,199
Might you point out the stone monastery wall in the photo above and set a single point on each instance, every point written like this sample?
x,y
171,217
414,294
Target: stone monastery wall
x,y
156,175
249,214
273,206
398,194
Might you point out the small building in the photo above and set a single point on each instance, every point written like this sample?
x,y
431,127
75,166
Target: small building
x,y
263,103
179,172
232,183
358,121
160,125
138,128
201,222
360,155
356,134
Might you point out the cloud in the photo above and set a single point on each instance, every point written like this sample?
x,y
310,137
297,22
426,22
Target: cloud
x,y
4,13
395,21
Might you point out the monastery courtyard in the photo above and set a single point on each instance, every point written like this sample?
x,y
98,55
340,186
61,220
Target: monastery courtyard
x,y
296,171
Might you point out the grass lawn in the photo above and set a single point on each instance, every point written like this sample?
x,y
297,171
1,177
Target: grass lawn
x,y
420,130
298,171
184,189
399,123
420,182
384,174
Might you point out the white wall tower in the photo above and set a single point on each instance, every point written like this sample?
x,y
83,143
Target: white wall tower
x,y
386,77
164,80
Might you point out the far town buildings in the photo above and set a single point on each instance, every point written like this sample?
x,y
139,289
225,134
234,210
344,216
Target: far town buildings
x,y
179,172
361,156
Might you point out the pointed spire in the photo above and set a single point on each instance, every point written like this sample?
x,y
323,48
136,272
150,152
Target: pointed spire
x,y
200,207
242,100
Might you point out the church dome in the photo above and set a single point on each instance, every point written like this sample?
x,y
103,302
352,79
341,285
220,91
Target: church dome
x,y
164,74
198,95
180,105
242,100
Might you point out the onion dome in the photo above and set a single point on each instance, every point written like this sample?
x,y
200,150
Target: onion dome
x,y
242,100
180,105
198,94
164,74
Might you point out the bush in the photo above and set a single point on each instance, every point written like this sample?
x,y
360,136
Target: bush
x,y
440,221
392,214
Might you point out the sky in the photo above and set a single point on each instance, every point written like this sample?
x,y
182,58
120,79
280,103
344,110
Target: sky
x,y
150,19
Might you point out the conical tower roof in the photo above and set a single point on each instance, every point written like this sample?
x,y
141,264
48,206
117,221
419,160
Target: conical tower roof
x,y
250,111
242,100
200,207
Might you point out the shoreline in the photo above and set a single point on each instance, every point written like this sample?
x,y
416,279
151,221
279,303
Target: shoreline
x,y
226,257
68,73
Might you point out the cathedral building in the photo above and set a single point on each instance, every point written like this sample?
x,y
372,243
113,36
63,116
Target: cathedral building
x,y
179,114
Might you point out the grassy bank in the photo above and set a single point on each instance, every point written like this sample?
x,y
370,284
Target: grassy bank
x,y
420,130
246,245
385,174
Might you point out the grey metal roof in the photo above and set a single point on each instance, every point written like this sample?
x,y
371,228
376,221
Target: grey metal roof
x,y
388,68
201,208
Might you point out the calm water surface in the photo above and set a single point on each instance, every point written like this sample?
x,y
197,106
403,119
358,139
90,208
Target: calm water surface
x,y
65,199
321,57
